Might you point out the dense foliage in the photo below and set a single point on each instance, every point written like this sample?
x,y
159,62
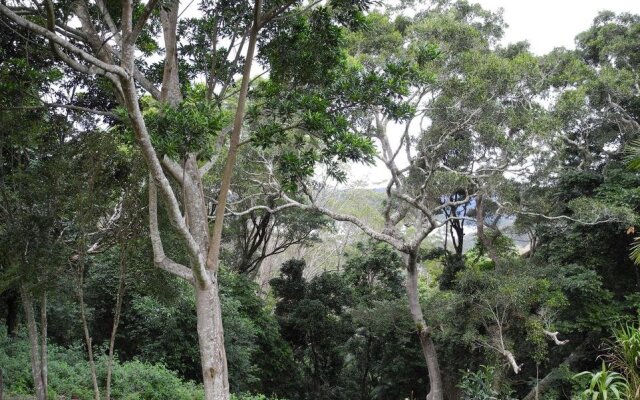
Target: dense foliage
x,y
513,201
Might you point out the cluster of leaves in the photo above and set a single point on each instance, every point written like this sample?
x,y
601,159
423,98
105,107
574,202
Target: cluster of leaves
x,y
313,124
479,385
191,127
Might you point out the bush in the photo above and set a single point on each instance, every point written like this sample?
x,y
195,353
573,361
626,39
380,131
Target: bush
x,y
69,375
246,396
136,380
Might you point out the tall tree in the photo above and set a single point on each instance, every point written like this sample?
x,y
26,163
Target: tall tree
x,y
464,109
176,136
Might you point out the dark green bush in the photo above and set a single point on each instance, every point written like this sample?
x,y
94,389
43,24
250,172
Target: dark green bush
x,y
69,375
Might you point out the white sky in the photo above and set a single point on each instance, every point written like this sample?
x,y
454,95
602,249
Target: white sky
x,y
553,23
545,24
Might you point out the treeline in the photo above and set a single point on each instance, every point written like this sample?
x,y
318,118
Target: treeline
x,y
142,202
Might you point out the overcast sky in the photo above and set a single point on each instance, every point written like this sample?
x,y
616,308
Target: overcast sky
x,y
553,23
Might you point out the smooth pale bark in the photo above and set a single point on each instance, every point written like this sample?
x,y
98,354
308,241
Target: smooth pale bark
x,y
34,346
170,92
424,331
213,358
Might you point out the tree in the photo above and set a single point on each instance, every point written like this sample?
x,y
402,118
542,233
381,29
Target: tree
x,y
174,134
313,318
479,100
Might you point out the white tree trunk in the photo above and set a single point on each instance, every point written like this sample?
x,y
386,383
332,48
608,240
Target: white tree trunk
x,y
424,331
215,376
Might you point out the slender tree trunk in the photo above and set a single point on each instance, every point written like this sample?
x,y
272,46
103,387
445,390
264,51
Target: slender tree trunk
x,y
424,331
365,373
1,383
116,319
552,377
32,329
210,330
44,364
12,313
458,245
85,328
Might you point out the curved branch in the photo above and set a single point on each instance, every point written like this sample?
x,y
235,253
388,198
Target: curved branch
x,y
159,258
396,243
554,336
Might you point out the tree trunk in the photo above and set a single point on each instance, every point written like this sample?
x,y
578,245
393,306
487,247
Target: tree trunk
x,y
32,329
85,328
116,319
552,377
12,313
424,331
213,358
44,364
458,244
170,92
486,242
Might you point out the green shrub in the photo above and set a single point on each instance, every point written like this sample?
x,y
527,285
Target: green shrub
x,y
139,381
69,375
16,368
247,396
479,386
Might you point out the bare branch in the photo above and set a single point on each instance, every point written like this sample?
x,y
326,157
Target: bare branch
x,y
396,243
176,170
554,336
512,360
213,255
263,208
108,20
159,258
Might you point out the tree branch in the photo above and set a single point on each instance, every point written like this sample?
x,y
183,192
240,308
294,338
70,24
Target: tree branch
x,y
42,31
146,12
67,106
159,258
554,336
396,243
